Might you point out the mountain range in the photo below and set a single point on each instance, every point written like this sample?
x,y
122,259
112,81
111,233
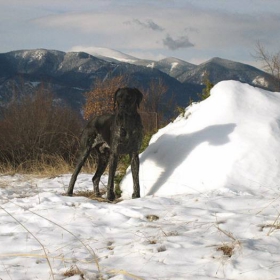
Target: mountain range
x,y
69,75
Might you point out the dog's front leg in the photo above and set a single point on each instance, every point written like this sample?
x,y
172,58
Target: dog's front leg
x,y
135,174
113,162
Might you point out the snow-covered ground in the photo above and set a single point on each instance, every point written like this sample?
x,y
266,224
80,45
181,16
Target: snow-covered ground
x,y
210,204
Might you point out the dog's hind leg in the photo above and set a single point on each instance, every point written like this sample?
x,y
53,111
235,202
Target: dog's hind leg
x,y
103,158
135,174
80,163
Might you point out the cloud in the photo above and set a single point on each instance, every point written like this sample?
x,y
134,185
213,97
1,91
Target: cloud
x,y
191,30
149,24
227,29
114,28
180,43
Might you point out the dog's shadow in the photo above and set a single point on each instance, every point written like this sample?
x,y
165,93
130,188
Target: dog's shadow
x,y
173,150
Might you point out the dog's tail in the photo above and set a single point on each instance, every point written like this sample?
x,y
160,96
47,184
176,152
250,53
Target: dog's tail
x,y
88,135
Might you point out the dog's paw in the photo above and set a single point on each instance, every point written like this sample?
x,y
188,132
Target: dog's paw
x,y
69,194
110,196
136,195
97,194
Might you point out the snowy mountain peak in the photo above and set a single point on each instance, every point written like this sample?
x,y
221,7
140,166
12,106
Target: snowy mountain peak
x,y
226,63
108,54
220,69
174,60
36,54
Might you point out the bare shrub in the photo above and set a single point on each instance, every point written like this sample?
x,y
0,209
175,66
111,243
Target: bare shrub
x,y
270,63
100,100
36,130
156,106
153,96
150,121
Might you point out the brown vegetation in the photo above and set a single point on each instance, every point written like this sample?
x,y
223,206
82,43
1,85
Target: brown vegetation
x,y
36,131
270,63
39,135
100,100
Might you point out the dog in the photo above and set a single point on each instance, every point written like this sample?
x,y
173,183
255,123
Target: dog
x,y
110,136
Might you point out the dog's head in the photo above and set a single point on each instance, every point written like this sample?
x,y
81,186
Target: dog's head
x,y
127,100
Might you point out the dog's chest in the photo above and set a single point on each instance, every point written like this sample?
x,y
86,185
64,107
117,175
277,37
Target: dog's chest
x,y
127,137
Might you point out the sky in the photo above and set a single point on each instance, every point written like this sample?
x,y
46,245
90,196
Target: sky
x,y
191,30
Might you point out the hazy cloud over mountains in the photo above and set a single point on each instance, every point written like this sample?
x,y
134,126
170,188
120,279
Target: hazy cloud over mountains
x,y
190,30
148,24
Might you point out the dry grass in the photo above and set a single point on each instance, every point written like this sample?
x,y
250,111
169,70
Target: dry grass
x,y
52,167
152,218
73,270
87,247
227,249
43,247
91,195
49,166
272,227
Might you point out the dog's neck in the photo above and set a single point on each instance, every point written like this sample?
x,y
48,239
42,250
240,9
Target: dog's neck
x,y
124,119
124,113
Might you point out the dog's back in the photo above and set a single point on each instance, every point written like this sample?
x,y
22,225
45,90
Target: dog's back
x,y
98,126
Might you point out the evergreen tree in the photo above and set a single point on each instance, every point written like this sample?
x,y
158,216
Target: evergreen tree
x,y
208,86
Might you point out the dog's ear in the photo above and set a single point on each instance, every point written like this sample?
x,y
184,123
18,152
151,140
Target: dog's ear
x,y
139,96
115,97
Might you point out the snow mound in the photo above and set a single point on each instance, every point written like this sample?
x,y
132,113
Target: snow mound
x,y
228,142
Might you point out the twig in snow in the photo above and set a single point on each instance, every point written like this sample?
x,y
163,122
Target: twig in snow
x,y
228,234
123,272
6,271
274,225
19,222
91,251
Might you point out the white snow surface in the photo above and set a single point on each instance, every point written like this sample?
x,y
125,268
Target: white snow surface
x,y
229,142
210,179
174,65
